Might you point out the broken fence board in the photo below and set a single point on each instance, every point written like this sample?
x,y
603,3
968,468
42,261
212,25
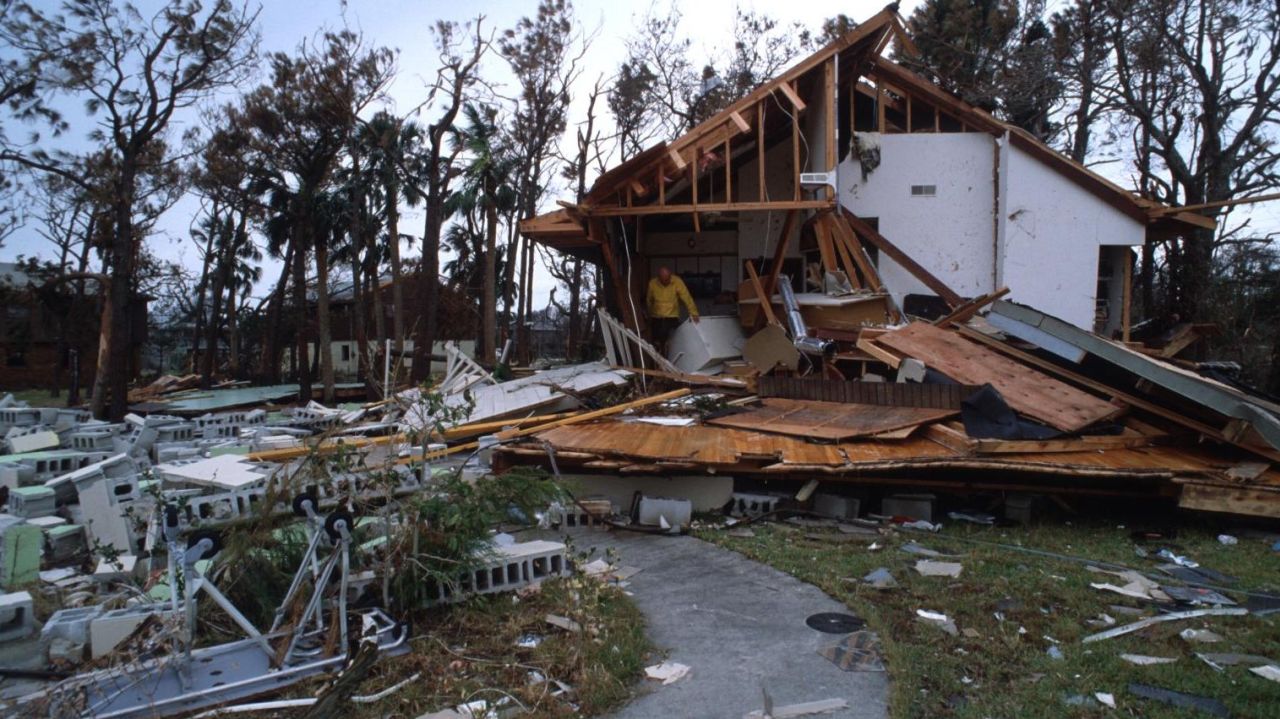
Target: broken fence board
x,y
1027,391
887,394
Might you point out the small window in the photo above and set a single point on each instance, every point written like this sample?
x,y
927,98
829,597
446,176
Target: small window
x,y
346,353
924,190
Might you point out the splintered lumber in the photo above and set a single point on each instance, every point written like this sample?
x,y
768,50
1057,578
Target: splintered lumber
x,y
962,313
1027,391
1172,617
831,421
765,305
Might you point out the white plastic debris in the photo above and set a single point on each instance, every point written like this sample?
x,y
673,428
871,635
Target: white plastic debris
x,y
1268,671
1107,699
1200,635
1228,540
1143,660
667,672
939,620
930,568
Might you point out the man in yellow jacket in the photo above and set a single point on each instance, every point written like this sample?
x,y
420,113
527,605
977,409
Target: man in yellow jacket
x,y
665,295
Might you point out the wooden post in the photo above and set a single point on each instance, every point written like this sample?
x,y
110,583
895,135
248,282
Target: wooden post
x,y
760,146
829,105
1127,301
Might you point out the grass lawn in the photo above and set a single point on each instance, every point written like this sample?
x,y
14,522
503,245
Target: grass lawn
x,y
1001,667
468,652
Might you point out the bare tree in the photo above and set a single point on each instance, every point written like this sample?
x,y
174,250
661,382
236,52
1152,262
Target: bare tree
x,y
460,47
134,75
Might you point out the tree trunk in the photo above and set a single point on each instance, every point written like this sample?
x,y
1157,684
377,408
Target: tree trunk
x,y
233,333
98,395
209,360
120,297
575,308
271,359
324,345
302,340
428,291
489,312
359,308
393,245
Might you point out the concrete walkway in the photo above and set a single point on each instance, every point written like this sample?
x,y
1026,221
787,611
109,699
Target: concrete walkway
x,y
739,625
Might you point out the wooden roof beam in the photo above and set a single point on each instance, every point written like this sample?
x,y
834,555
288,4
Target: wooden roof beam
x,y
792,96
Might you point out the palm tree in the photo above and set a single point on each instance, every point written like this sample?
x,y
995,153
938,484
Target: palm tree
x,y
392,147
486,186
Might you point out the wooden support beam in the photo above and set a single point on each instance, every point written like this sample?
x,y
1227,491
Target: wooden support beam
x,y
869,234
790,92
676,159
829,119
825,247
846,258
728,173
844,234
741,123
766,301
780,252
961,314
662,186
1126,302
795,156
638,188
775,206
760,150
597,414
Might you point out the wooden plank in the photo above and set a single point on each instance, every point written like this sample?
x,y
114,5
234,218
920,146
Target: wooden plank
x,y
825,247
880,353
1126,302
846,258
737,120
845,235
1231,499
1049,446
1027,391
949,438
676,159
597,414
795,156
790,92
774,206
961,314
832,421
829,105
869,234
760,150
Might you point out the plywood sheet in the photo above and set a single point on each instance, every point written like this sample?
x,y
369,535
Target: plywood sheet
x,y
1027,391
831,421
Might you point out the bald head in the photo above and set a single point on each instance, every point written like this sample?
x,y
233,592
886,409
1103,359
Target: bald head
x,y
664,275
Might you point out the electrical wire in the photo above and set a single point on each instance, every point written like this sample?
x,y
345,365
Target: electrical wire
x,y
631,299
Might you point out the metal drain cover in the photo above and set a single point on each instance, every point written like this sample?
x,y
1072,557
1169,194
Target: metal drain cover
x,y
835,623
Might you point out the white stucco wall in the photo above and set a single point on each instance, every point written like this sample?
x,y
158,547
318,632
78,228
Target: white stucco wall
x,y
950,234
1051,229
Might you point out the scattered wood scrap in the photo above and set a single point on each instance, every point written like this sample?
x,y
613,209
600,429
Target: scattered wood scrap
x,y
828,420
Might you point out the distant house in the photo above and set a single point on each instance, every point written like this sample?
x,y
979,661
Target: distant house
x,y
947,202
458,322
46,331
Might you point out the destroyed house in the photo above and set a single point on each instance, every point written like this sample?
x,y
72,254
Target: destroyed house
x,y
849,167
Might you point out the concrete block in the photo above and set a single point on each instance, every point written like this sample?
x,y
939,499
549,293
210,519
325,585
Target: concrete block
x,y
511,567
746,504
834,505
676,512
46,522
71,624
29,502
20,549
915,506
109,629
911,370
708,493
32,441
17,620
63,652
113,571
65,541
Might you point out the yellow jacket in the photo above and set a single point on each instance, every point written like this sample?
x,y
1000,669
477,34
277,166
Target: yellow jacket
x,y
662,300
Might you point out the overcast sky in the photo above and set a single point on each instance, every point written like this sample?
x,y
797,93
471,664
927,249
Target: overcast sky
x,y
405,25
